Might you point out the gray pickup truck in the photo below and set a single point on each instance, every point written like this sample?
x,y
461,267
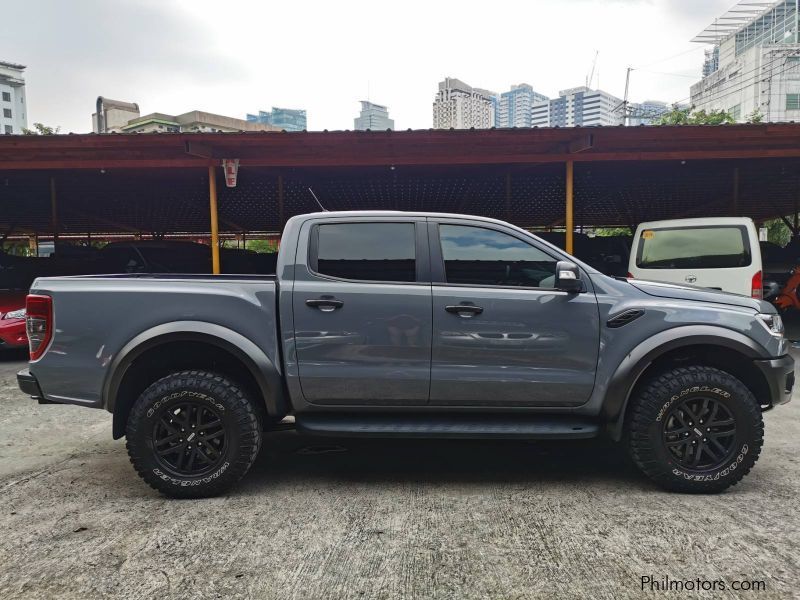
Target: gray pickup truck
x,y
388,324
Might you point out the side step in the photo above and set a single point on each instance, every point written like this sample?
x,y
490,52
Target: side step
x,y
471,426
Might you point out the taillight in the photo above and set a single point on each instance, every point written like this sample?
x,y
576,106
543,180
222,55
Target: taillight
x,y
38,323
630,276
757,288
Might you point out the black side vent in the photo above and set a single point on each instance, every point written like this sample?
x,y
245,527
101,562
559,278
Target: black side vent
x,y
624,318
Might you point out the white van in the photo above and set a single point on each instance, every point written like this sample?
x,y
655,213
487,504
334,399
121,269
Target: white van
x,y
721,253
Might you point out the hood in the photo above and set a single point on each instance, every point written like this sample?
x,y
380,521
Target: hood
x,y
691,292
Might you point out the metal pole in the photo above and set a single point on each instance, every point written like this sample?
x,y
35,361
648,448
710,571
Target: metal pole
x,y
212,195
507,205
53,213
281,215
568,220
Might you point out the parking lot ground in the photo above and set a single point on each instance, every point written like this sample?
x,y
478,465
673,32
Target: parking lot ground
x,y
380,519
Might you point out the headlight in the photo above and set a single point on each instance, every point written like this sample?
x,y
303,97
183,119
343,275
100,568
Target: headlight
x,y
15,314
773,323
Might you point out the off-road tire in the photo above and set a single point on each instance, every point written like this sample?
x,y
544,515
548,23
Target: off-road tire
x,y
211,394
659,397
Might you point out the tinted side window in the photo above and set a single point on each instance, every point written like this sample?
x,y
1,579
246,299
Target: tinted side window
x,y
478,256
367,251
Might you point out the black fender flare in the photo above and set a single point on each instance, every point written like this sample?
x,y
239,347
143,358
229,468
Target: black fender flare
x,y
260,366
635,363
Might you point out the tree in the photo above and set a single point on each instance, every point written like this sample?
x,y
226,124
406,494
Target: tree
x,y
41,129
755,117
687,116
676,116
612,231
778,232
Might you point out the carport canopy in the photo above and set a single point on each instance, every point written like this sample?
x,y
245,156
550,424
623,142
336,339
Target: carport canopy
x,y
158,184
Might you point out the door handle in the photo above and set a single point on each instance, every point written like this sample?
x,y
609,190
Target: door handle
x,y
464,310
325,304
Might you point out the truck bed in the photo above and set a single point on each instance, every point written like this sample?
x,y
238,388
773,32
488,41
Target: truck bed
x,y
97,316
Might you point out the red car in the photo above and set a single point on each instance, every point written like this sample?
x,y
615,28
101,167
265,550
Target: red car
x,y
12,319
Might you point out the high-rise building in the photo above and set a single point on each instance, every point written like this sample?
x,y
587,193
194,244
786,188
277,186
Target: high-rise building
x,y
288,119
515,106
578,106
754,64
13,107
461,106
373,116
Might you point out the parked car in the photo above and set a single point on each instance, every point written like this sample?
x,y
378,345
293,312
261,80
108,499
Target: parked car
x,y
12,319
717,253
390,324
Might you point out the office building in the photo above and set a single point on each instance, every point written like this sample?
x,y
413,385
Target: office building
x,y
287,119
460,106
753,64
124,117
193,121
578,106
373,116
514,106
13,107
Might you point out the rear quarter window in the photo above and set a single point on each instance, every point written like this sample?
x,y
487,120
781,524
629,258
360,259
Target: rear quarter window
x,y
714,247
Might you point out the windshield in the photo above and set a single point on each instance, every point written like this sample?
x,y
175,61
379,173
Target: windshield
x,y
713,247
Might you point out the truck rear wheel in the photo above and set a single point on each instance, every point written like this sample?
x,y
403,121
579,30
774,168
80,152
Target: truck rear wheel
x,y
193,434
695,429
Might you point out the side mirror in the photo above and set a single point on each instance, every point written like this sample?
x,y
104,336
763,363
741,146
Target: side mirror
x,y
568,278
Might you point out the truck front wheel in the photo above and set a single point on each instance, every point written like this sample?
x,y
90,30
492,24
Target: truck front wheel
x,y
695,429
193,434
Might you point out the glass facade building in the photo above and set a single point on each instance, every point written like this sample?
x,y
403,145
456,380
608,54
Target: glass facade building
x,y
289,119
374,117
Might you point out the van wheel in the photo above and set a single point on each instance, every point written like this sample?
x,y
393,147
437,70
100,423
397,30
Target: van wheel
x,y
193,434
695,429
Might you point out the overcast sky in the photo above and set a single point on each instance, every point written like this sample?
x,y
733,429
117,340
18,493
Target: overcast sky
x,y
237,56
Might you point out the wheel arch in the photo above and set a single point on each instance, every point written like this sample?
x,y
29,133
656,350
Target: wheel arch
x,y
208,343
711,345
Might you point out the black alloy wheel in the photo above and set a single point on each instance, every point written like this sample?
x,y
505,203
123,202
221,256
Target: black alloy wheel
x,y
700,433
189,439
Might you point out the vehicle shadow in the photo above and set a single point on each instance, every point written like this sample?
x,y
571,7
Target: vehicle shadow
x,y
287,457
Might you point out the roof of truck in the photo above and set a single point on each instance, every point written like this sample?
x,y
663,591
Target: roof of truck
x,y
394,213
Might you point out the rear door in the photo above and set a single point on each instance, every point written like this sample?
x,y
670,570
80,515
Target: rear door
x,y
362,313
503,336
721,257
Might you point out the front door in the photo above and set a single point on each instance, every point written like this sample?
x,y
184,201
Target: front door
x,y
362,314
502,335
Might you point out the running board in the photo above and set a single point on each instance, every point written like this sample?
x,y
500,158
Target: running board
x,y
473,426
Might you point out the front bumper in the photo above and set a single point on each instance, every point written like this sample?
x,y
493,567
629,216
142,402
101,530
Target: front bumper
x,y
779,373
